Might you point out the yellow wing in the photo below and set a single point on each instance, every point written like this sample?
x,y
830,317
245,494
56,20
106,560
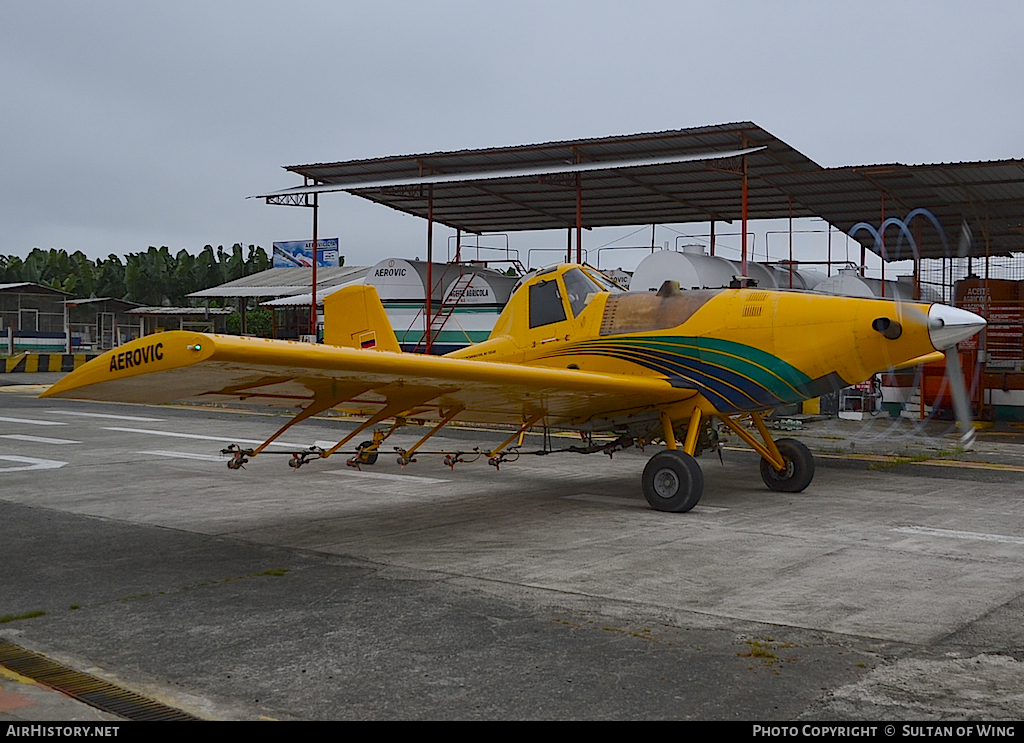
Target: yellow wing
x,y
185,366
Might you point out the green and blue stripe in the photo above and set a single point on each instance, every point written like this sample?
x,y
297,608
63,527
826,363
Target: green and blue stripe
x,y
732,376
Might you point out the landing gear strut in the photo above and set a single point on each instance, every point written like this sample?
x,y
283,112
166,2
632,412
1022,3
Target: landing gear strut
x,y
787,466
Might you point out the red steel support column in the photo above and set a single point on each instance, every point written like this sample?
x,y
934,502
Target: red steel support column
x,y
428,317
579,217
917,261
790,242
828,268
882,247
744,220
988,214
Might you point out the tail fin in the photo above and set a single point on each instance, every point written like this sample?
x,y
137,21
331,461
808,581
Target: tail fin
x,y
354,317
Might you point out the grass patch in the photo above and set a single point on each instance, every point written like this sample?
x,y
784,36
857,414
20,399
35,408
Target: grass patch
x,y
15,617
901,459
759,650
764,650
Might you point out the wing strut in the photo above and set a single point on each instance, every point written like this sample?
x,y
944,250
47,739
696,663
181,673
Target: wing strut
x,y
396,404
324,398
318,405
405,456
496,457
388,411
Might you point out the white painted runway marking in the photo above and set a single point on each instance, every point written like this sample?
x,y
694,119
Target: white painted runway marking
x,y
107,415
36,439
609,499
29,463
383,476
221,459
951,534
222,439
34,423
635,502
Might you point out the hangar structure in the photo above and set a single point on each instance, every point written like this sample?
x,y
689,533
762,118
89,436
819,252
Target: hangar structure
x,y
728,173
662,178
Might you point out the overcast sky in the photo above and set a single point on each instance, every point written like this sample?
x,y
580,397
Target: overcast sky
x,y
130,124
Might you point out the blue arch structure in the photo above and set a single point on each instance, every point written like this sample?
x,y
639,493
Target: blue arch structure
x,y
904,231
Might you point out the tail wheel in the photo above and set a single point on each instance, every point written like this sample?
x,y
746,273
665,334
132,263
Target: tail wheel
x,y
366,457
799,468
673,481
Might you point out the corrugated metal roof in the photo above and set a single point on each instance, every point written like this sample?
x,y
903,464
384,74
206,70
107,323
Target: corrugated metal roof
x,y
989,196
94,300
781,182
306,299
282,282
27,287
194,311
666,192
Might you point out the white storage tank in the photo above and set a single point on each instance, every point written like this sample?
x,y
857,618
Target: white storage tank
x,y
849,283
695,270
465,302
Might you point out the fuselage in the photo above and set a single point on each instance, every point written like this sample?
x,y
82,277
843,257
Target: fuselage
x,y
742,349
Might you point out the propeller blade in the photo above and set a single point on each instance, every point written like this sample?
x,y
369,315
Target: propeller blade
x,y
958,391
966,238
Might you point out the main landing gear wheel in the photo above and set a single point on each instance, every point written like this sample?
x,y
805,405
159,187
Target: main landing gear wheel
x,y
799,468
673,481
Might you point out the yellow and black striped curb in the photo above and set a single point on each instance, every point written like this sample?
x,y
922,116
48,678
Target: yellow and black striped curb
x,y
45,362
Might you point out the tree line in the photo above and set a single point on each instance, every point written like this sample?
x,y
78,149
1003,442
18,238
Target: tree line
x,y
155,277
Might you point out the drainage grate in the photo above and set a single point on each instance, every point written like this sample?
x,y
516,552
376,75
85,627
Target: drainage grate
x,y
85,688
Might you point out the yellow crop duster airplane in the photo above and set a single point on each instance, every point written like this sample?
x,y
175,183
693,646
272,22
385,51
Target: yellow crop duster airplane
x,y
570,351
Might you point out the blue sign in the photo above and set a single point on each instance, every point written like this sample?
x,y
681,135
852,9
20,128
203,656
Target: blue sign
x,y
299,253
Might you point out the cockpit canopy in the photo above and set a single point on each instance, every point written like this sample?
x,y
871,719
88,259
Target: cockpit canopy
x,y
547,304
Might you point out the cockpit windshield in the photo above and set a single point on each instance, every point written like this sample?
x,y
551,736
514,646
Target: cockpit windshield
x,y
581,288
606,284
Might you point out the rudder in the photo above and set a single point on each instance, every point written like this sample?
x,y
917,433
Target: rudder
x,y
354,318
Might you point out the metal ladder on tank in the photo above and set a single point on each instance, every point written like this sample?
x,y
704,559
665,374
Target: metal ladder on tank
x,y
436,323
